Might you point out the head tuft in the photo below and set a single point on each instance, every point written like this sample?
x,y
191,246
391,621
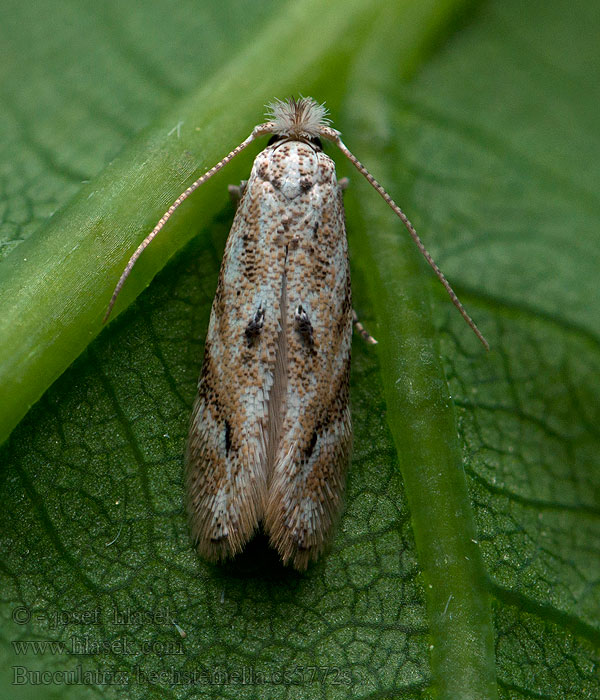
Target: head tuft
x,y
303,118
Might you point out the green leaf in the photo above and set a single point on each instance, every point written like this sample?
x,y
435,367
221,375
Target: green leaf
x,y
466,563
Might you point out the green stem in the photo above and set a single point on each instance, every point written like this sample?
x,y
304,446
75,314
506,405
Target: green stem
x,y
419,409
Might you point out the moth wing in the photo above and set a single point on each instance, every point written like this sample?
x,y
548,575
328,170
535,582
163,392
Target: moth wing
x,y
306,490
226,464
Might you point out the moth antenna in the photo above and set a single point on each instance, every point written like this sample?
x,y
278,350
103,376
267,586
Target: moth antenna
x,y
266,128
333,135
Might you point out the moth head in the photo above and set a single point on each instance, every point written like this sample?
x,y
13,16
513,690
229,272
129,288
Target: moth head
x,y
302,119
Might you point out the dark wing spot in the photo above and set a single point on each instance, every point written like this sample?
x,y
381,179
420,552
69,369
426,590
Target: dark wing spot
x,y
303,325
227,436
255,326
311,446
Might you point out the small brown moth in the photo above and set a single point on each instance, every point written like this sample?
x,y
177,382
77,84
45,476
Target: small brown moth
x,y
270,434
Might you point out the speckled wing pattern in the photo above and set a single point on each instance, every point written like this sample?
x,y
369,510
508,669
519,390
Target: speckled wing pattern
x,y
270,435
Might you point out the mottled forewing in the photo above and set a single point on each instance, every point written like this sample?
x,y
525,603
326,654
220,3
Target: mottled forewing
x,y
308,475
226,462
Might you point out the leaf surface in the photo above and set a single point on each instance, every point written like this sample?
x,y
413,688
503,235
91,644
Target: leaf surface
x,y
466,563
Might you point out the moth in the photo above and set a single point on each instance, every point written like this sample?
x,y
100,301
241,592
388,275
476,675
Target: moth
x,y
270,434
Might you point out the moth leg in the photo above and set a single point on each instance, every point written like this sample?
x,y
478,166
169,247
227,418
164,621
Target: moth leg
x,y
343,183
366,336
236,192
